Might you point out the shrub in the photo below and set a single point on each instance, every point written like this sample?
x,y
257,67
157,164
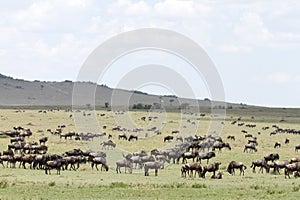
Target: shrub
x,y
51,184
197,185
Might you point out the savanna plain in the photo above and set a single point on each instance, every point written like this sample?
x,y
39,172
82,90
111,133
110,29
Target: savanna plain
x,y
88,183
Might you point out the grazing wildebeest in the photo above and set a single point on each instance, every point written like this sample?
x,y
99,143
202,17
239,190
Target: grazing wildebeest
x,y
260,163
253,141
188,155
28,159
236,165
137,160
109,136
99,161
122,136
175,132
131,137
221,145
156,165
210,168
147,159
295,160
43,140
280,165
74,152
250,147
297,148
108,144
9,159
271,157
287,141
168,138
206,156
124,163
290,168
179,138
53,164
277,145
230,137
190,168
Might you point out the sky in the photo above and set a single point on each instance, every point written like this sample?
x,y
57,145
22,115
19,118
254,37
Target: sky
x,y
255,45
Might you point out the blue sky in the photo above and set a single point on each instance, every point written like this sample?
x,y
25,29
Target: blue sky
x,y
255,45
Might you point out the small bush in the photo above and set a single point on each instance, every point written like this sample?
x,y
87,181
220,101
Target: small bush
x,y
256,187
118,185
51,184
197,185
3,184
296,188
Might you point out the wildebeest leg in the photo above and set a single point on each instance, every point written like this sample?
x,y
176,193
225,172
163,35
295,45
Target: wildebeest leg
x,y
156,172
97,167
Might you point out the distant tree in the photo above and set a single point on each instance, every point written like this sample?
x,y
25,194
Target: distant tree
x,y
156,105
106,104
185,106
171,101
88,105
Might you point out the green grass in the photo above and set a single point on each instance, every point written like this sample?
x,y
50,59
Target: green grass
x,y
92,184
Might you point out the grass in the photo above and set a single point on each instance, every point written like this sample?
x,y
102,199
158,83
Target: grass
x,y
92,184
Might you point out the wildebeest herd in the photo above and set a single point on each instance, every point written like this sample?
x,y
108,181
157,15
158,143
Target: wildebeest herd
x,y
189,150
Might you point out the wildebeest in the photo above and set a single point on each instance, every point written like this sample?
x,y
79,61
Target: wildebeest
x,y
297,147
260,163
253,141
188,155
236,165
53,164
124,163
287,141
99,161
221,145
108,144
168,138
190,168
217,176
43,140
250,147
294,160
122,136
206,156
271,157
280,165
230,137
210,168
156,165
179,138
131,137
277,145
290,168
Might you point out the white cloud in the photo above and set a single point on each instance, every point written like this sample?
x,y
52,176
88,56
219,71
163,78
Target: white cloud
x,y
251,29
280,78
231,48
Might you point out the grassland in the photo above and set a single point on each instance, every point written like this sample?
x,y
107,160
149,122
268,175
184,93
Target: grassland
x,y
92,184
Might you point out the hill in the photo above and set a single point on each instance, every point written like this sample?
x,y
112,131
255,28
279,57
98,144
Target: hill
x,y
19,92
